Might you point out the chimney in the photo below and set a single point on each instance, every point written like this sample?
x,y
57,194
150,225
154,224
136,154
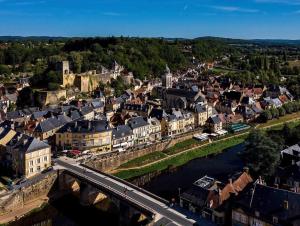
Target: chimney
x,y
246,169
230,180
286,204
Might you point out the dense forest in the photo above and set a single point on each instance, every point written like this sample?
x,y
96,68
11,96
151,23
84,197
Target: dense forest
x,y
246,62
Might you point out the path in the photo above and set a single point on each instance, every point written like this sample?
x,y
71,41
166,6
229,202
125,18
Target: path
x,y
200,146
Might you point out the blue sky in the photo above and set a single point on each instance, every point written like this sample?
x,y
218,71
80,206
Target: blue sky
x,y
155,18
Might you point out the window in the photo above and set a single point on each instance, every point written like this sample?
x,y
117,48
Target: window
x,y
31,163
38,161
275,220
31,170
38,168
45,158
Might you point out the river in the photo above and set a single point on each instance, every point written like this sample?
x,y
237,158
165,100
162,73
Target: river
x,y
220,167
68,212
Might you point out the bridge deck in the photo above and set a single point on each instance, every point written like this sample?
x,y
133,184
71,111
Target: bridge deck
x,y
129,192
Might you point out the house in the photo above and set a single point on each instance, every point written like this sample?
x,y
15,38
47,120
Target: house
x,y
214,123
139,109
226,106
140,128
29,156
288,177
98,106
83,135
291,155
201,114
265,206
161,115
274,91
269,103
122,137
87,112
49,127
178,122
6,134
155,129
211,198
113,104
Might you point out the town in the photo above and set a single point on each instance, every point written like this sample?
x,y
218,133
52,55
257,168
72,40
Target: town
x,y
107,117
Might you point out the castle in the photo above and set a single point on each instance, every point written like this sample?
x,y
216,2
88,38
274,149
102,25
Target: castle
x,y
87,81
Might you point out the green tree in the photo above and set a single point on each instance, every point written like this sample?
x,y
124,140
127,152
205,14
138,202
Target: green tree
x,y
274,112
266,115
281,111
4,70
261,155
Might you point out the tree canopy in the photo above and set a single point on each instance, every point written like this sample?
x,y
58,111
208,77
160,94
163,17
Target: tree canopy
x,y
261,154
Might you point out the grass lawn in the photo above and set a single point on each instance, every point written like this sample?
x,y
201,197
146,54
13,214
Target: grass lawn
x,y
181,159
184,145
282,119
143,160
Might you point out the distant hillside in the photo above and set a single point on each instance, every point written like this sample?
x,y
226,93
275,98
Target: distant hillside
x,y
221,39
35,38
252,41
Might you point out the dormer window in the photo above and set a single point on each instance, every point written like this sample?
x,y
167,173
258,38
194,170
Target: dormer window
x,y
275,220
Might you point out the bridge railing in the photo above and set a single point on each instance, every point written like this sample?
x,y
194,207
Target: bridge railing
x,y
129,184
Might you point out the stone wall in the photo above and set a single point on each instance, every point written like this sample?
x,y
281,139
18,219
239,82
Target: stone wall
x,y
51,97
109,162
17,199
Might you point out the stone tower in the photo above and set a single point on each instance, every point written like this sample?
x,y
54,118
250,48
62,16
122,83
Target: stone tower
x,y
167,78
63,67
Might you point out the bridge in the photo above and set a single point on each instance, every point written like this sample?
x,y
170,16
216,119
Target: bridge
x,y
155,208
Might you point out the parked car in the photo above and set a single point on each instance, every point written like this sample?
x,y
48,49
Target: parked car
x,y
50,168
21,181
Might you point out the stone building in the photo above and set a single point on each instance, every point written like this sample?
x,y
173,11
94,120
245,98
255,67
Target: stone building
x,y
29,156
87,81
85,135
167,78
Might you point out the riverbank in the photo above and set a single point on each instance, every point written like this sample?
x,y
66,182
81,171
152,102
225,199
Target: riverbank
x,y
186,151
184,157
30,207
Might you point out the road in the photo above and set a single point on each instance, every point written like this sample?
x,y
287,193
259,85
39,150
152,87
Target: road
x,y
128,192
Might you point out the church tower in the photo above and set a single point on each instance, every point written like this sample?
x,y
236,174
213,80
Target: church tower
x,y
167,78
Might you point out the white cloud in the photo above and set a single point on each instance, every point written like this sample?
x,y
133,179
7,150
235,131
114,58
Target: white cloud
x,y
111,14
235,9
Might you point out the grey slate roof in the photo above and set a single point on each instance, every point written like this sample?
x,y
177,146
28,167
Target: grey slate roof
x,y
214,119
52,123
121,131
158,113
38,114
85,126
25,143
182,93
137,122
97,104
86,110
269,202
200,108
